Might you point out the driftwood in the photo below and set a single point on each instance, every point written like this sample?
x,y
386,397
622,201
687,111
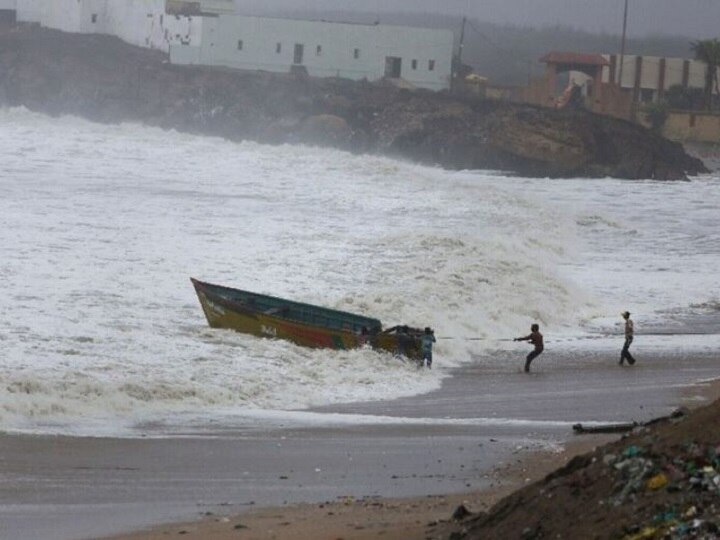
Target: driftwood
x,y
605,428
624,427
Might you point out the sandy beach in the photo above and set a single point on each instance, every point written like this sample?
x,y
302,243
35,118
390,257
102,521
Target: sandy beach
x,y
418,518
421,518
341,481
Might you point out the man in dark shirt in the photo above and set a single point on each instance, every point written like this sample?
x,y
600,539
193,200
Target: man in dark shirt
x,y
629,335
536,338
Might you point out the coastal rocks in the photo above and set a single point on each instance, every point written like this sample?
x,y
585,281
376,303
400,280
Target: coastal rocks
x,y
326,130
528,141
106,80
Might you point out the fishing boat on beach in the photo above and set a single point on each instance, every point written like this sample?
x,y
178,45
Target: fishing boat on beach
x,y
304,324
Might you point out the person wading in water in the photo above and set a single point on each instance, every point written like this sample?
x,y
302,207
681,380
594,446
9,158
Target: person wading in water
x,y
629,334
536,338
427,341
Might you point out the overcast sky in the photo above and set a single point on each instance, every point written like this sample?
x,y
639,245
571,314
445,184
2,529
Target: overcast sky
x,y
698,19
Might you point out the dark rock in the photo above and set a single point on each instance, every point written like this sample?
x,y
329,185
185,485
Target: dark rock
x,y
461,512
326,130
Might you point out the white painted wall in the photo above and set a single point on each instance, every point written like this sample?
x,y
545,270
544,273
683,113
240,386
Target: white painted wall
x,y
218,6
328,48
674,72
8,4
29,10
650,77
62,15
696,78
143,23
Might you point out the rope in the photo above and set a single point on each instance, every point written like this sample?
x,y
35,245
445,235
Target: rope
x,y
476,338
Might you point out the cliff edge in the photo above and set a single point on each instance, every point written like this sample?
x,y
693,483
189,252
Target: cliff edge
x,y
105,80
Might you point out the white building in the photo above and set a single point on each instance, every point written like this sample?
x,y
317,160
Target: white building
x,y
420,56
143,23
207,32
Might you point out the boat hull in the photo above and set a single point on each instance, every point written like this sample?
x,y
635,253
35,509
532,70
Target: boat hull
x,y
222,310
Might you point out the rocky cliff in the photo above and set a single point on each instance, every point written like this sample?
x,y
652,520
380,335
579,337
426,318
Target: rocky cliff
x,y
105,80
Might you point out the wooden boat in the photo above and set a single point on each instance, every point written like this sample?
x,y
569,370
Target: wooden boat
x,y
304,324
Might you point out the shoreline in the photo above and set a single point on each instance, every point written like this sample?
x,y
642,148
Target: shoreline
x,y
412,518
419,517
489,430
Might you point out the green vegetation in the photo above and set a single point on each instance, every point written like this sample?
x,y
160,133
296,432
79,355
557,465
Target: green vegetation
x,y
686,99
657,114
708,51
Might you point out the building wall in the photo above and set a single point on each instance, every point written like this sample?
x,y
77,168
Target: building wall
x,y
654,72
29,10
7,4
217,6
329,49
693,126
143,23
674,72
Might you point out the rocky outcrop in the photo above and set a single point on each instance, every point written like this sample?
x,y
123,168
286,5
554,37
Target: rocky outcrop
x,y
106,80
529,141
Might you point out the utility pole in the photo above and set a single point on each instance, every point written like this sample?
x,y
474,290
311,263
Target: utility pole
x,y
622,44
458,61
462,41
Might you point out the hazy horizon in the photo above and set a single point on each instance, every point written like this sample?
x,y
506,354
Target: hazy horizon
x,y
697,19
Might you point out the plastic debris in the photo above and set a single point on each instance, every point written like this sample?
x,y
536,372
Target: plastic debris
x,y
658,481
631,451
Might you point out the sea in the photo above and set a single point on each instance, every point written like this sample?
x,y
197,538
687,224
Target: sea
x,y
102,226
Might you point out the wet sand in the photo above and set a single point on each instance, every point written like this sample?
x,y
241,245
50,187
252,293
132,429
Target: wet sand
x,y
487,431
421,517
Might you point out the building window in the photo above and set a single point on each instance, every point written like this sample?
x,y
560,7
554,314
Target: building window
x,y
93,18
278,47
431,65
318,50
356,54
240,44
414,64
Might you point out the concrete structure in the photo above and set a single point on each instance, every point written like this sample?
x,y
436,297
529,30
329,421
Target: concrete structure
x,y
585,70
7,11
687,126
648,77
207,32
197,7
143,23
419,56
644,79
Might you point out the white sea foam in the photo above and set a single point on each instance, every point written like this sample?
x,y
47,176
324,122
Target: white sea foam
x,y
101,227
